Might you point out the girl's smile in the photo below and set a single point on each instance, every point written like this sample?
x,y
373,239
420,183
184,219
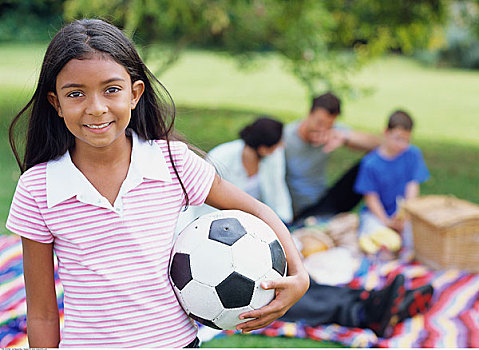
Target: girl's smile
x,y
95,97
99,128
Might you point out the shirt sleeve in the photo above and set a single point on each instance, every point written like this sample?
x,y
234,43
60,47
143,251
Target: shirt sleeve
x,y
197,176
25,218
273,185
365,181
420,172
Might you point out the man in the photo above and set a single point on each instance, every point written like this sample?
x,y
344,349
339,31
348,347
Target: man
x,y
308,143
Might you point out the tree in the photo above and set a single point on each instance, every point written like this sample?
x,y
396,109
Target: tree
x,y
29,20
321,41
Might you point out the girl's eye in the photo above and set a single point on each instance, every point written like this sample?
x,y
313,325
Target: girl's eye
x,y
112,90
75,94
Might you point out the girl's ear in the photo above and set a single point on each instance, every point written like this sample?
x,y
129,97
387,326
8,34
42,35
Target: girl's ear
x,y
53,99
137,89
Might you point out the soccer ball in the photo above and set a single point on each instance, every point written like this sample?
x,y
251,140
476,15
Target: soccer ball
x,y
218,263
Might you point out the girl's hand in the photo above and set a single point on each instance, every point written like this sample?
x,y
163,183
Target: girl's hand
x,y
289,290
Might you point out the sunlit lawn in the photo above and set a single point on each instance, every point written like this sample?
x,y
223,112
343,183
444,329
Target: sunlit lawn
x,y
215,100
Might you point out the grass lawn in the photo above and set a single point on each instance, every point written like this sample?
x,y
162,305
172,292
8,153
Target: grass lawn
x,y
215,100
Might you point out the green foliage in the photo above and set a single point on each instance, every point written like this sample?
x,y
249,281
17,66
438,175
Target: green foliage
x,y
29,20
460,44
466,14
462,49
399,25
311,36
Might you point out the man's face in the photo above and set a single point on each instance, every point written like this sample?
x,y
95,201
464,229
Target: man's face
x,y
318,123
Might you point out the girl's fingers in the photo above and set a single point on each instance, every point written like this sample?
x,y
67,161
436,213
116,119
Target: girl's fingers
x,y
272,308
273,284
262,317
278,283
258,323
253,325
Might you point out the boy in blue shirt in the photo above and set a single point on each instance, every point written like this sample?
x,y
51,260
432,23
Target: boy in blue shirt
x,y
394,169
390,173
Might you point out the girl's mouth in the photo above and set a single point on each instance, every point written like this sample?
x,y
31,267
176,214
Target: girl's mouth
x,y
98,126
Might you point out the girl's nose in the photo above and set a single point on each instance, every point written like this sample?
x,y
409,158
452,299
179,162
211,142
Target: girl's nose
x,y
96,106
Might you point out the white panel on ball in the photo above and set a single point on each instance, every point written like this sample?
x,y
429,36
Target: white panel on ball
x,y
187,243
257,227
262,297
229,318
205,302
251,258
211,262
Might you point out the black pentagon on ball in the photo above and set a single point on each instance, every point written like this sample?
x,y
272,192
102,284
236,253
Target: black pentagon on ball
x,y
180,270
235,290
226,231
278,257
203,321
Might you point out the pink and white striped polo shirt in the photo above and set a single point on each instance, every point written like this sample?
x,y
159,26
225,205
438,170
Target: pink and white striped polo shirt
x,y
113,260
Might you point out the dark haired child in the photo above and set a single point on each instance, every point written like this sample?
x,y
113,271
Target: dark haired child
x,y
254,163
102,184
387,175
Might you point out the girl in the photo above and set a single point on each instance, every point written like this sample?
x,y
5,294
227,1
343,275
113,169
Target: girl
x,y
254,163
102,185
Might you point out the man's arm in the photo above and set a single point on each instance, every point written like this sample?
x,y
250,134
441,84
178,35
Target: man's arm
x,y
361,141
355,140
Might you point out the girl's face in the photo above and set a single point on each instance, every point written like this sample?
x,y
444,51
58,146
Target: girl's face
x,y
95,97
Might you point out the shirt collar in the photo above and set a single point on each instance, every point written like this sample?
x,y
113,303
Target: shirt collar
x,y
64,180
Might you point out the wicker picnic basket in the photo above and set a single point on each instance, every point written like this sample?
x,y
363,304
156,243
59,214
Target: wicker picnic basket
x,y
446,232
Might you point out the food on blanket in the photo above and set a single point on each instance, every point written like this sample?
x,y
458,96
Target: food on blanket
x,y
381,238
342,224
312,245
333,266
312,240
342,228
218,263
367,245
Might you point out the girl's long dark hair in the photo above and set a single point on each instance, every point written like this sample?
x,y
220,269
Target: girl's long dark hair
x,y
47,136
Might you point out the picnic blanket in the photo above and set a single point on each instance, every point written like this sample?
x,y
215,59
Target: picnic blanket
x,y
452,321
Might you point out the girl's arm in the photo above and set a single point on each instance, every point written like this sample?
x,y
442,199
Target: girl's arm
x,y
224,195
43,321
